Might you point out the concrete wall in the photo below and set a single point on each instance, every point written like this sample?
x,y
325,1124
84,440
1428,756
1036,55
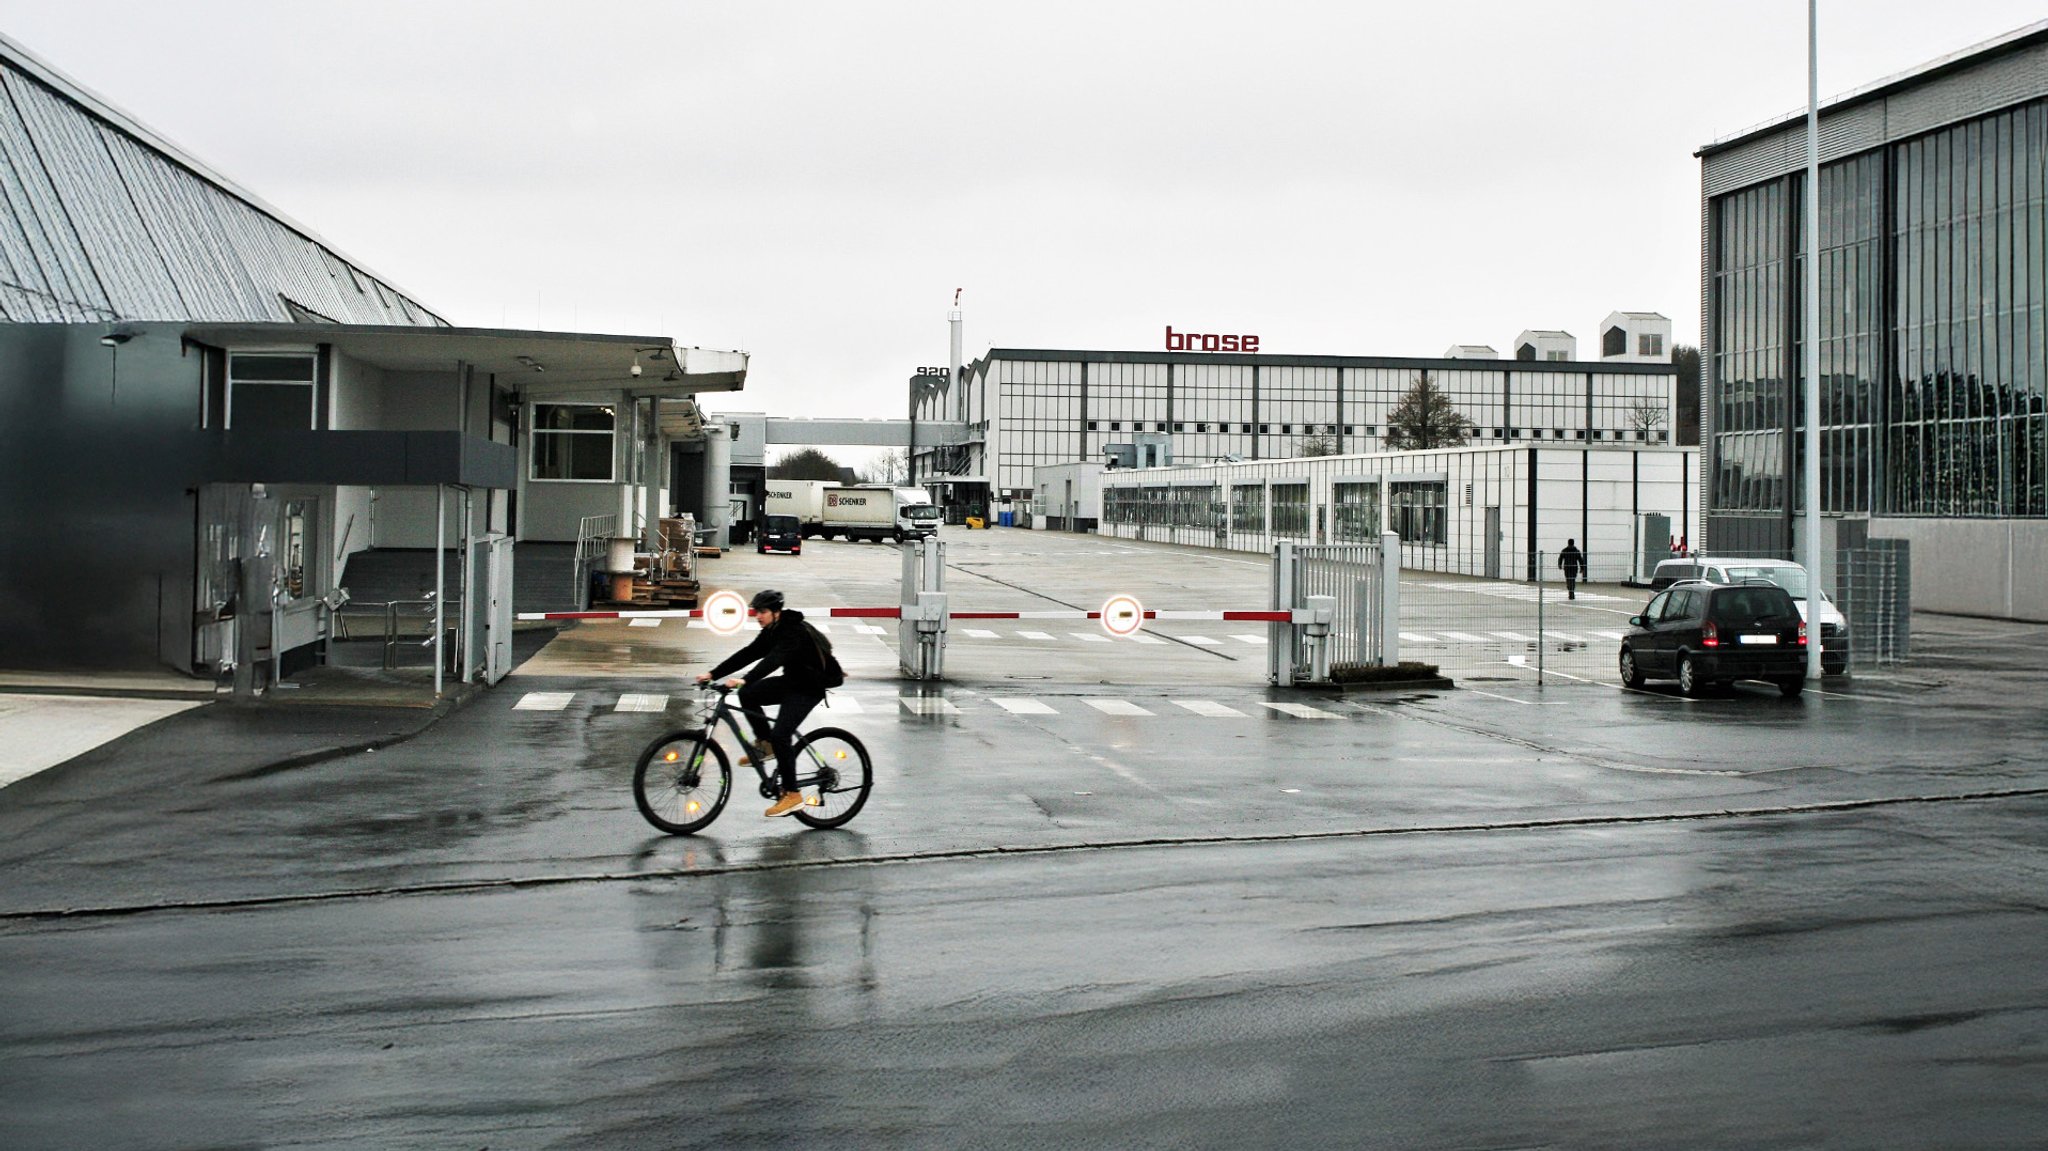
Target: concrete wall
x,y
1975,567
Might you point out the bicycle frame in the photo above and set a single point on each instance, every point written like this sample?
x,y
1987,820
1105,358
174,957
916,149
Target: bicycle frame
x,y
728,712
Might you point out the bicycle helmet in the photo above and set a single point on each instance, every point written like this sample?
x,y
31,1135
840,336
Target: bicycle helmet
x,y
767,599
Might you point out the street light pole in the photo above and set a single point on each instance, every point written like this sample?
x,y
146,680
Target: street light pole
x,y
1810,332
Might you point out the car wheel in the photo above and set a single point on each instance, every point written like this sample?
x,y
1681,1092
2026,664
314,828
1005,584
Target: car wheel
x,y
1689,680
1790,688
1631,675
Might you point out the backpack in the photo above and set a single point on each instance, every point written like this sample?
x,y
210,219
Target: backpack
x,y
832,674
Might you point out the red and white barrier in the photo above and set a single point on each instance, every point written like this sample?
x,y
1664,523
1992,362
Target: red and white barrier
x,y
1278,615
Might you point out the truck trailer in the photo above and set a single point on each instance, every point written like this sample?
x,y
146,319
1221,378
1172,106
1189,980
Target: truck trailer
x,y
878,512
804,499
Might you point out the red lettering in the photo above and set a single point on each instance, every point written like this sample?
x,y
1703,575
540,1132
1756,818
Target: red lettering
x,y
1200,342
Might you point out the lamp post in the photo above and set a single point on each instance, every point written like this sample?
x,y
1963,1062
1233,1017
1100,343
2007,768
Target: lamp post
x,y
1810,347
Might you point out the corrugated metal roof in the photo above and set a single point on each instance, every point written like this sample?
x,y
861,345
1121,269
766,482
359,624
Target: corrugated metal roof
x,y
100,219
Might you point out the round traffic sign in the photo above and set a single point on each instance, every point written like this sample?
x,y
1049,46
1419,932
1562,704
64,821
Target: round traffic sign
x,y
1122,616
725,611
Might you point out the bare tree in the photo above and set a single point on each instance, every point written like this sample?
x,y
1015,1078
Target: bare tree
x,y
1646,416
890,467
1319,444
1425,418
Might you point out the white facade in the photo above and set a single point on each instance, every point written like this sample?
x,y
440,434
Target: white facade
x,y
1501,512
1635,338
1068,497
1471,352
1029,408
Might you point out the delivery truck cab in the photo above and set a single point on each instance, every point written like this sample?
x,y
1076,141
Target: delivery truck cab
x,y
878,512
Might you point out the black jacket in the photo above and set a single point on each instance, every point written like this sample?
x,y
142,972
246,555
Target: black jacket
x,y
1572,560
788,647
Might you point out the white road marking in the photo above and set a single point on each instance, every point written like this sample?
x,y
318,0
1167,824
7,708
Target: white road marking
x,y
1023,706
544,701
1210,708
1255,639
980,633
1141,637
1565,636
698,623
38,732
1089,637
845,703
1301,710
643,623
1034,635
1116,707
1465,637
869,629
1518,637
1609,634
633,701
1416,637
1203,640
823,626
927,705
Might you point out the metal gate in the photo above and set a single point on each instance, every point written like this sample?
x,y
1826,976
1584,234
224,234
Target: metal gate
x,y
921,626
1359,585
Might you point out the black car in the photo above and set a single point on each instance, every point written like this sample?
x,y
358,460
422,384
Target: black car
x,y
1701,634
780,534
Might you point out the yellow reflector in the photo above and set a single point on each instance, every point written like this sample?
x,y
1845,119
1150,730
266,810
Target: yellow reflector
x,y
840,754
672,756
692,808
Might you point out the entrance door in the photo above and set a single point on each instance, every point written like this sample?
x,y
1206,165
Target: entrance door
x,y
497,595
1493,543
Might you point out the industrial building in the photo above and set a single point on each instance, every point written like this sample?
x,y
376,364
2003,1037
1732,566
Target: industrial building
x,y
212,422
1933,341
1023,408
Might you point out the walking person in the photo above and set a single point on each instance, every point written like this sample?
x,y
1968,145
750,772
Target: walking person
x,y
787,645
1573,561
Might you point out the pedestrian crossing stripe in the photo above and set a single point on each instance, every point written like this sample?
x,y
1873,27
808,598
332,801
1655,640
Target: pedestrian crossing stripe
x,y
1210,708
1251,639
1089,637
641,702
544,701
927,705
1300,710
1034,635
1518,637
1203,640
1141,637
643,623
1116,707
980,633
1023,706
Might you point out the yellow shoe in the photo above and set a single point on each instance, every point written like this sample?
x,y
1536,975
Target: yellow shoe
x,y
790,801
757,752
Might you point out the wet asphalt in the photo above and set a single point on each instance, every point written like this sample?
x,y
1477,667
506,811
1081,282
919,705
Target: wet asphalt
x,y
1144,908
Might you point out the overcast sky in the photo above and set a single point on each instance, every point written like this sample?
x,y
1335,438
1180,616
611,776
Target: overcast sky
x,y
810,182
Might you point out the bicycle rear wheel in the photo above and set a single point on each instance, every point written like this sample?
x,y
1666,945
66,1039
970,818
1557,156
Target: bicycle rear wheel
x,y
844,776
682,782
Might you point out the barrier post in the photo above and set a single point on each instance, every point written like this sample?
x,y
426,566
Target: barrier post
x,y
1280,653
1322,611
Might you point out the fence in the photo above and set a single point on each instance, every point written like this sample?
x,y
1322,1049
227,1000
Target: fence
x,y
1357,586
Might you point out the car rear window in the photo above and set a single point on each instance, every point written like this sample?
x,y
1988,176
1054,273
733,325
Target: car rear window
x,y
1742,606
781,523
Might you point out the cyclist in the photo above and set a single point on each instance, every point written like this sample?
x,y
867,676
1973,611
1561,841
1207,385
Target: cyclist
x,y
784,645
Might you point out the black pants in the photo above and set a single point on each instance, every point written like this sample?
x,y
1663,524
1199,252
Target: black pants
x,y
792,704
1571,584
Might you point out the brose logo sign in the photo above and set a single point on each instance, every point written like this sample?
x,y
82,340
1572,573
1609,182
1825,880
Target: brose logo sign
x,y
1201,342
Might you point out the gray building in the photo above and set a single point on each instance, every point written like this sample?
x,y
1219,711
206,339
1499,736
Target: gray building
x,y
212,421
1933,340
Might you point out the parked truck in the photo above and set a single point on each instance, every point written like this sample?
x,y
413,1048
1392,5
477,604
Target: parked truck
x,y
804,499
878,512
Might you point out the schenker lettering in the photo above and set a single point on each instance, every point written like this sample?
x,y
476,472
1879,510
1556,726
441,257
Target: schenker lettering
x,y
1200,342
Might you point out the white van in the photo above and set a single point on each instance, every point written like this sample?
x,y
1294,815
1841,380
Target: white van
x,y
1834,627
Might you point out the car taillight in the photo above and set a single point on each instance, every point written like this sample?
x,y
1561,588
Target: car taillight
x,y
1802,635
1710,636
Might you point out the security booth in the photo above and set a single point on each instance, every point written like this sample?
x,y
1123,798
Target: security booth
x,y
228,499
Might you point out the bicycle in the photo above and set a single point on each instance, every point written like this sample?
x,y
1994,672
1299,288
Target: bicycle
x,y
684,778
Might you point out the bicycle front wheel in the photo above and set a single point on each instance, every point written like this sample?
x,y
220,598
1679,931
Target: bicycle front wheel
x,y
836,776
682,782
